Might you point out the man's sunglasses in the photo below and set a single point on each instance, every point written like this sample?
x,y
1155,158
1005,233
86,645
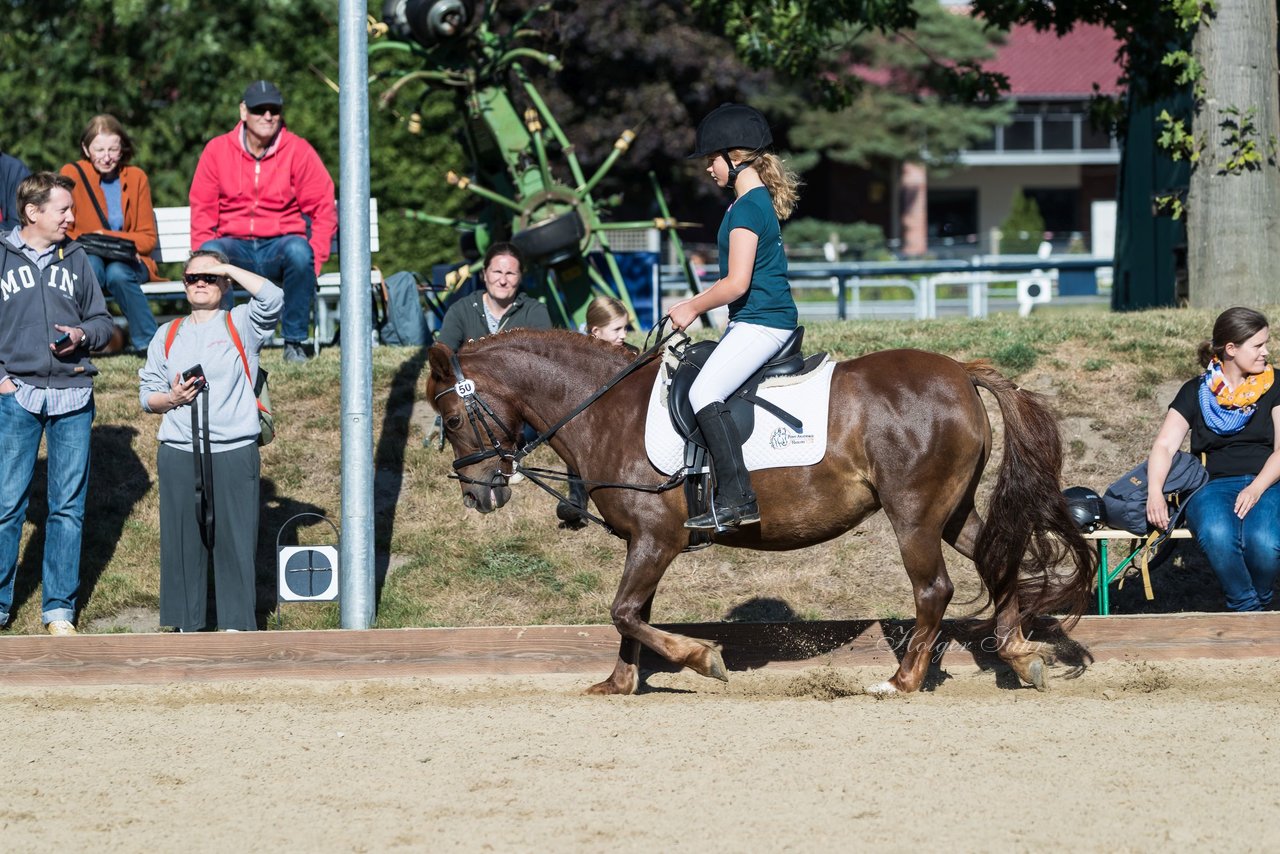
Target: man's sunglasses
x,y
207,278
263,109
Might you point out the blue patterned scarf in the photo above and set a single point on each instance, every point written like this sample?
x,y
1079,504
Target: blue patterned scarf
x,y
1226,412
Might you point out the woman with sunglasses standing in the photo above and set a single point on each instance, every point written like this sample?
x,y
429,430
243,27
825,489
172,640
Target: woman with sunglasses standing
x,y
218,349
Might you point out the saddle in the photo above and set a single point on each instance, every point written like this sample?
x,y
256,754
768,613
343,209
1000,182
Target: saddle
x,y
742,403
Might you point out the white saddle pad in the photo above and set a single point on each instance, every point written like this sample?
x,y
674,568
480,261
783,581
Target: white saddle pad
x,y
772,443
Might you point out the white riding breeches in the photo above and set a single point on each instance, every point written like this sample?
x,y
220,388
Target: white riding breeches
x,y
742,350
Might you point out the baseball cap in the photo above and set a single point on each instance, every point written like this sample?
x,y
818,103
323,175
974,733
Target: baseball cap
x,y
262,92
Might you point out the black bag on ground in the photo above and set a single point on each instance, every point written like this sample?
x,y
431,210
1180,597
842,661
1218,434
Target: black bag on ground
x,y
1125,501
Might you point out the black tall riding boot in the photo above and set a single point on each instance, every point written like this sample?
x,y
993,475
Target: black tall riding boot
x,y
734,503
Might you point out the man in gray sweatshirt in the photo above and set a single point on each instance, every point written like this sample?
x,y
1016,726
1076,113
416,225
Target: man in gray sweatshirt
x,y
51,315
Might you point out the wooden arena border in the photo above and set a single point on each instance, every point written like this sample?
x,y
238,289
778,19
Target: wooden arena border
x,y
515,650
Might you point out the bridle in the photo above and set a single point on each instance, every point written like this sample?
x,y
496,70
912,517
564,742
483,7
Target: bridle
x,y
477,410
480,414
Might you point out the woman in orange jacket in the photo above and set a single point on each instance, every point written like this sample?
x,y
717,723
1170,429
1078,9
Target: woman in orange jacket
x,y
113,197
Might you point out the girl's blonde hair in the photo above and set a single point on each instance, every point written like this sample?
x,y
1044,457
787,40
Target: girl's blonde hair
x,y
783,184
604,310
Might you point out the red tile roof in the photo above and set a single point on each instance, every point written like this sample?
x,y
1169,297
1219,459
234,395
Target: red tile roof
x,y
1044,65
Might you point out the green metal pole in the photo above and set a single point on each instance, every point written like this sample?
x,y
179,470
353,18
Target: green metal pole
x,y
619,148
462,182
534,124
550,120
1104,580
436,220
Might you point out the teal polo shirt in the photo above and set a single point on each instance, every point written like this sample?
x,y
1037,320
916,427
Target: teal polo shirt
x,y
768,301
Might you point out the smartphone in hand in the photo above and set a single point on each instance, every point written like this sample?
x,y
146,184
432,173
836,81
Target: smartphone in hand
x,y
195,372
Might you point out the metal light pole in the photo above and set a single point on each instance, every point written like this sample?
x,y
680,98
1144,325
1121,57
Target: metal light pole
x,y
357,568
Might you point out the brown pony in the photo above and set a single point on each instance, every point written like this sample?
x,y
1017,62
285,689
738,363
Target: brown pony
x,y
908,434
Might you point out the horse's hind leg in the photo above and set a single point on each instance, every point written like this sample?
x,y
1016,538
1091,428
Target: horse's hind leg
x,y
1027,658
932,589
647,561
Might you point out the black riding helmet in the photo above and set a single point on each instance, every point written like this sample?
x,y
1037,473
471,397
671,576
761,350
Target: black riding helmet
x,y
731,126
1085,507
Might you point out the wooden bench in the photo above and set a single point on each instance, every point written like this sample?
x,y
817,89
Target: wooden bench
x,y
1106,574
174,246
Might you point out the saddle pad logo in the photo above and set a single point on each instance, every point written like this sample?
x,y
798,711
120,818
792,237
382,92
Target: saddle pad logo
x,y
783,438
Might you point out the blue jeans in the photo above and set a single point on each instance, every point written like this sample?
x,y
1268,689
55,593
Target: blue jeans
x,y
287,260
67,437
1244,553
123,280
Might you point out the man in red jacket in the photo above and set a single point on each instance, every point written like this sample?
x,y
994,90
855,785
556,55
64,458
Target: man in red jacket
x,y
252,194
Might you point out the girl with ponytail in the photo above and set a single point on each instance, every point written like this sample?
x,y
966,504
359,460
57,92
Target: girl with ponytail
x,y
733,140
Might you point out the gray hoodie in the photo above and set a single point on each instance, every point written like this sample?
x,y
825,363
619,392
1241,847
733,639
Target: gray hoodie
x,y
32,300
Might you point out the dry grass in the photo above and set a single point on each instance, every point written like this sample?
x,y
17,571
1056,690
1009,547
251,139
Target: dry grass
x,y
1109,376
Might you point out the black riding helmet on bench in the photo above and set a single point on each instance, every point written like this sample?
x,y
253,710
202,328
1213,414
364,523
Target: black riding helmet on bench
x,y
731,126
1085,508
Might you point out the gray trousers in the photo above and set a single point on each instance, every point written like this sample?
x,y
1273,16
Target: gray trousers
x,y
184,582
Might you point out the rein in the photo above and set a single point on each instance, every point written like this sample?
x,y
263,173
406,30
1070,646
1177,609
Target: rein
x,y
477,409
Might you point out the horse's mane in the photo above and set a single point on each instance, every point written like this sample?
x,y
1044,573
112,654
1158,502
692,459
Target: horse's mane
x,y
547,340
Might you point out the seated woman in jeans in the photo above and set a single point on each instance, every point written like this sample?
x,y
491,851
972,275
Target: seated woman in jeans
x,y
1230,411
123,194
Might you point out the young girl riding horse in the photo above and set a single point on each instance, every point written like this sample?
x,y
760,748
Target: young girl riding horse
x,y
733,139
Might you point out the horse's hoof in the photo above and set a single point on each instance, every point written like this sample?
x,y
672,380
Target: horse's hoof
x,y
610,688
707,661
881,689
1036,673
716,669
604,689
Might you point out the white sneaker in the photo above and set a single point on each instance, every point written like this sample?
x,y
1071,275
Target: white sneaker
x,y
60,627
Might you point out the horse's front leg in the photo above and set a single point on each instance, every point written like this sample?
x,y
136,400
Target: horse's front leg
x,y
625,678
647,561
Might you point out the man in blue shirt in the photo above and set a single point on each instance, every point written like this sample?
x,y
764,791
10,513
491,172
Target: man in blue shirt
x,y
12,171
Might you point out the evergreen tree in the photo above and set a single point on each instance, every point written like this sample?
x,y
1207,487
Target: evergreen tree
x,y
1023,230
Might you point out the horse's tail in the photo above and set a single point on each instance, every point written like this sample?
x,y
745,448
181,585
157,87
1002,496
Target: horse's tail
x,y
1029,552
